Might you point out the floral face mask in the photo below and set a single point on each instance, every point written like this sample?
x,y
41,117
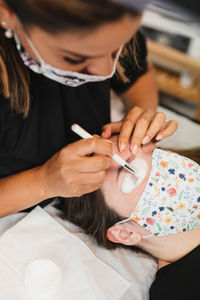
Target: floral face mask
x,y
170,202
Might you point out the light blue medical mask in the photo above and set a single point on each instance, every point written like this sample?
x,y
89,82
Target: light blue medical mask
x,y
69,78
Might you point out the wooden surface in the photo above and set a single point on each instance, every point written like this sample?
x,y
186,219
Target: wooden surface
x,y
174,56
168,81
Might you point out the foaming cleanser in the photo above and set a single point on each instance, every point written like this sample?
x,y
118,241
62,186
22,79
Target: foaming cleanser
x,y
130,183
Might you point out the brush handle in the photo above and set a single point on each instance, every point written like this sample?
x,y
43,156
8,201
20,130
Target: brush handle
x,y
81,132
85,135
119,160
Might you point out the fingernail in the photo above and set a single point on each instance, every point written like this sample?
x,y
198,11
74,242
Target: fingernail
x,y
122,147
109,141
145,140
159,137
134,149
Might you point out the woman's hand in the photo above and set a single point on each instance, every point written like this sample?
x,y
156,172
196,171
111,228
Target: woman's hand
x,y
71,172
141,126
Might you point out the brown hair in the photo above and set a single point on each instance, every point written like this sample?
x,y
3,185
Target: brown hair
x,y
91,213
52,16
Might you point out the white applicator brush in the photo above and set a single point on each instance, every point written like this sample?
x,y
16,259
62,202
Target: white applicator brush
x,y
85,135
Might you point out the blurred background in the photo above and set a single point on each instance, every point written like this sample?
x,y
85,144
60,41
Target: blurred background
x,y
174,49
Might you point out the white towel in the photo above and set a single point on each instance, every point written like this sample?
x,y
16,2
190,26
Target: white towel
x,y
39,259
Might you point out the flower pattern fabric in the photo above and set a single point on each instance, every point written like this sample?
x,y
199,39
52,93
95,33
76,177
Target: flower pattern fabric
x,y
170,202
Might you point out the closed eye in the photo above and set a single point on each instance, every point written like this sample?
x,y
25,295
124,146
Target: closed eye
x,y
118,172
74,61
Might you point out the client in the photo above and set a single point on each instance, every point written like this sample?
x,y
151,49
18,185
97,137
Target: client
x,y
157,210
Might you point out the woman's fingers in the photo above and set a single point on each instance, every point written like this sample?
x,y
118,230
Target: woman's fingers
x,y
127,127
92,164
92,145
140,130
140,126
168,129
111,128
71,173
155,124
93,178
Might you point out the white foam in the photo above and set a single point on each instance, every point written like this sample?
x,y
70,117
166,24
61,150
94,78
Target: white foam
x,y
130,183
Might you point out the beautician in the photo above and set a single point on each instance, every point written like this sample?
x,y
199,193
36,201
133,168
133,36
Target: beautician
x,y
58,62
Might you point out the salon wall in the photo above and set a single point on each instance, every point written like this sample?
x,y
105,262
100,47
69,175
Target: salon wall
x,y
174,49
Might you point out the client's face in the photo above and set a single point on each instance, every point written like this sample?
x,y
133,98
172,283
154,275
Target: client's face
x,y
121,189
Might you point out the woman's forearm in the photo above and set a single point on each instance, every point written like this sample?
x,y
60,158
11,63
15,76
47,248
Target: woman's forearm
x,y
143,93
68,173
21,191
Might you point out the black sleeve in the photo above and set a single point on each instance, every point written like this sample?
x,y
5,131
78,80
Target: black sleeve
x,y
180,280
133,70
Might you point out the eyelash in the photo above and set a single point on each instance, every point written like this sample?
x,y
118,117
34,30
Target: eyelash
x,y
118,172
77,62
73,61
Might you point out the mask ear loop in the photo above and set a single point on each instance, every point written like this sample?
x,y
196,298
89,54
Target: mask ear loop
x,y
116,59
131,218
126,220
148,236
42,62
18,44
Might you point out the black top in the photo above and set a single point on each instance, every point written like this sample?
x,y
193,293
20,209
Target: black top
x,y
27,143
180,280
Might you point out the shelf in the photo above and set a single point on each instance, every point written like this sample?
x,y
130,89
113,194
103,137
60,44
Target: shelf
x,y
164,58
169,83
